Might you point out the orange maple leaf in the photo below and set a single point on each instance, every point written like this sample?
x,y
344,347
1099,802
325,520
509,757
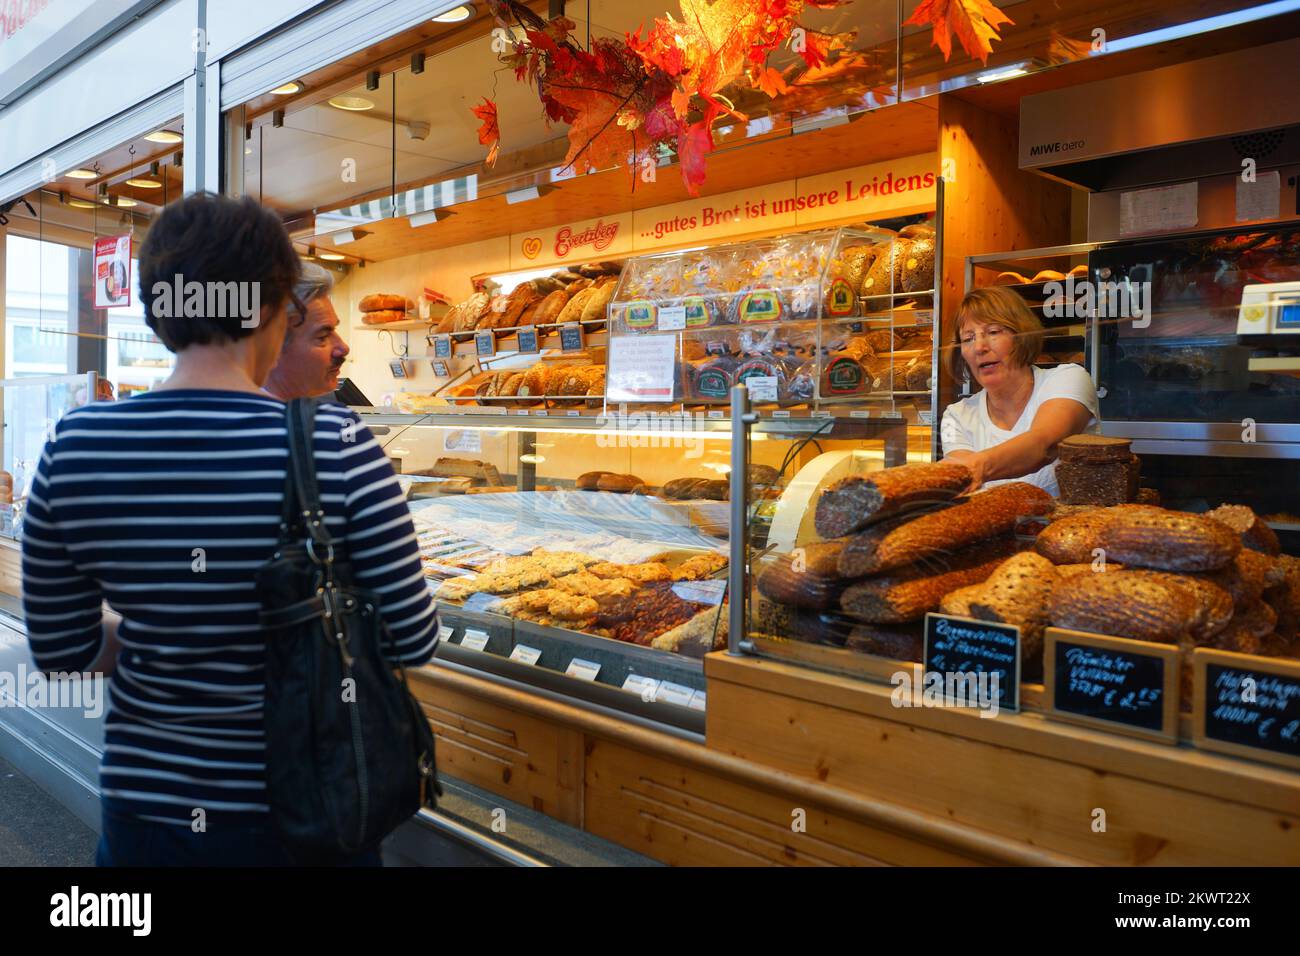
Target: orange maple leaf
x,y
974,21
489,134
596,140
771,82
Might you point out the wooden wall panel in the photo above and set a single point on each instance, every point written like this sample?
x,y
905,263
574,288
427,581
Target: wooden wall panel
x,y
1027,797
533,762
687,816
989,204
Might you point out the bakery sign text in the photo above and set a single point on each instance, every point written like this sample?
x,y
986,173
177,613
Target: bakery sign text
x,y
599,237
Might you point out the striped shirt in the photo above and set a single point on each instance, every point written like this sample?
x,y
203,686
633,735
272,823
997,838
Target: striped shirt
x,y
165,505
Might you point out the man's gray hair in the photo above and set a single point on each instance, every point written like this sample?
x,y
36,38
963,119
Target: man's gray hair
x,y
316,281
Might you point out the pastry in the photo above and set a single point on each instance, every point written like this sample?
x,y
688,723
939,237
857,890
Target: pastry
x,y
647,573
700,566
1048,275
1010,278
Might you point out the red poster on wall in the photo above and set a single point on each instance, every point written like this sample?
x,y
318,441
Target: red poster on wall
x,y
112,272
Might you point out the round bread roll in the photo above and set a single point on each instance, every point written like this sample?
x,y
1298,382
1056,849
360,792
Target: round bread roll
x,y
587,481
382,302
383,317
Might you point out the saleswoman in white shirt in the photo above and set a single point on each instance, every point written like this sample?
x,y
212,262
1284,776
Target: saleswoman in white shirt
x,y
1009,429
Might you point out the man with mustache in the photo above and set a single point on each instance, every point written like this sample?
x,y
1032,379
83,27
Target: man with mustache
x,y
313,352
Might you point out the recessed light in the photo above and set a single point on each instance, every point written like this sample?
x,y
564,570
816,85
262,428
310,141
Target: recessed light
x,y
456,14
354,104
140,182
81,174
80,204
125,202
332,257
248,151
426,218
293,86
164,136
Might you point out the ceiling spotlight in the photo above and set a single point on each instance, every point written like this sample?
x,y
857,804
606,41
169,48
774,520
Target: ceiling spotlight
x,y
523,195
146,182
164,136
288,89
75,203
332,256
428,218
348,235
353,104
1005,73
456,14
124,202
372,80
417,64
81,174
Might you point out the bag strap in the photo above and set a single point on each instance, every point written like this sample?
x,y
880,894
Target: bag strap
x,y
302,511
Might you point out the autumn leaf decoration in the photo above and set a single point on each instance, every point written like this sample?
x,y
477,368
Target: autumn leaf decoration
x,y
489,134
974,21
626,101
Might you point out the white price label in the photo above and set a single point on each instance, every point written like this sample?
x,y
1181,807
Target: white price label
x,y
583,670
823,415
697,700
925,318
716,413
927,417
521,411
672,318
674,694
762,388
540,412
572,412
444,632
475,640
525,654
860,413
783,413
644,687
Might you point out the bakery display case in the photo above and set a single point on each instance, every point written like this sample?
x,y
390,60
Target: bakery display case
x,y
31,408
815,321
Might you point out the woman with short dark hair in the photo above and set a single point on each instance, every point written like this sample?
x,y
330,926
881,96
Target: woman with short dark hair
x,y
165,505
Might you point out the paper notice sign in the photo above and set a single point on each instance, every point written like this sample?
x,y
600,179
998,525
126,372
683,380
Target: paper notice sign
x,y
1261,199
1162,209
642,368
762,388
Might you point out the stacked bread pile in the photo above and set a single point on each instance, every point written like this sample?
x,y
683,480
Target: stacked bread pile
x,y
571,384
887,557
1147,573
903,265
383,308
579,295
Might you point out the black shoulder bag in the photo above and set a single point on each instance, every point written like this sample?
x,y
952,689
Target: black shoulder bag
x,y
349,754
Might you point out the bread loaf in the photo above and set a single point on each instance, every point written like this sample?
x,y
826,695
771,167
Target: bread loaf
x,y
1074,538
990,514
1214,604
1016,593
382,302
796,580
1169,541
1254,531
595,308
905,642
1248,575
619,483
1122,604
908,594
383,317
549,309
588,480
851,503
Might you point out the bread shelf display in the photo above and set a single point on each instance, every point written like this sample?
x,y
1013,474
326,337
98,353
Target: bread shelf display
x,y
799,319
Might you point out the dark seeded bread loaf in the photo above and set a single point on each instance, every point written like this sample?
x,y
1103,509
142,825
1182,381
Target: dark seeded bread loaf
x,y
1214,604
806,578
850,503
1255,533
1169,541
912,591
1123,604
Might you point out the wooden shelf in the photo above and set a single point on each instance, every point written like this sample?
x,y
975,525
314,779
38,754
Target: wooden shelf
x,y
408,325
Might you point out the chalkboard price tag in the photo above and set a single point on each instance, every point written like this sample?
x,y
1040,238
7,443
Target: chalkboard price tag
x,y
527,339
485,344
442,346
1247,706
1125,686
970,648
440,369
571,337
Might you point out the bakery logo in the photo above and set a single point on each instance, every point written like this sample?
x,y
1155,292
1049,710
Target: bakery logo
x,y
599,237
917,688
36,690
1070,298
75,908
207,300
653,430
532,246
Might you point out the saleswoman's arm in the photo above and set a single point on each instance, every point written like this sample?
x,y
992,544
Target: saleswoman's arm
x,y
1057,419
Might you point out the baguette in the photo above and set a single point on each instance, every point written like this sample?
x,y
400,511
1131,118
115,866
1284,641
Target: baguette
x,y
851,503
909,594
1169,541
990,514
1123,604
